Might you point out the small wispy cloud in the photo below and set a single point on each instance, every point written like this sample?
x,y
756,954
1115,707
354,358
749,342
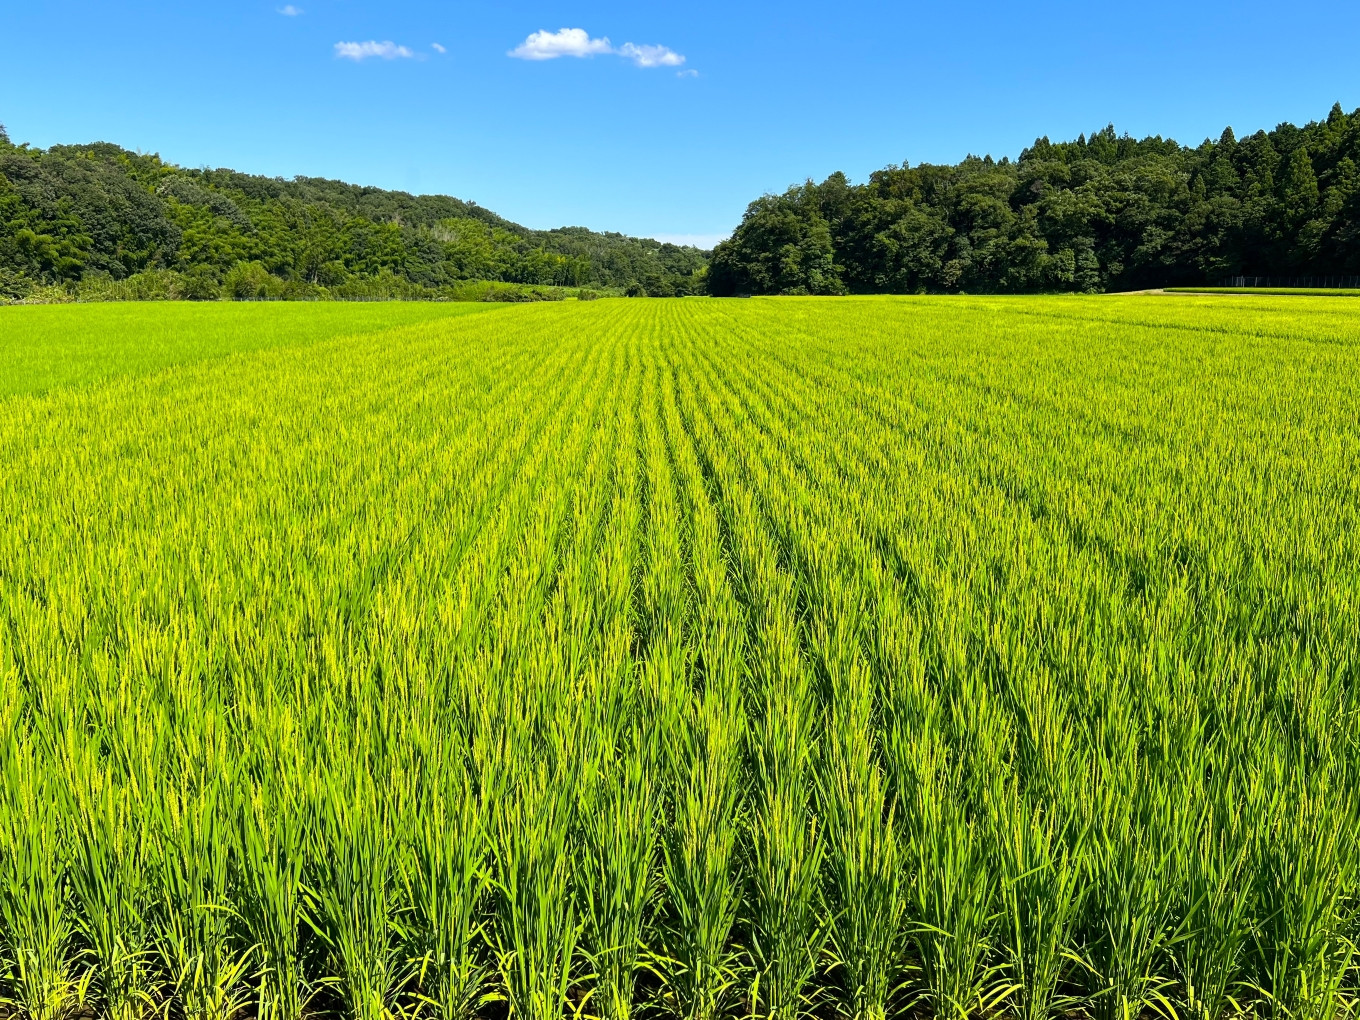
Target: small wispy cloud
x,y
437,48
566,42
289,11
688,72
577,42
650,56
363,50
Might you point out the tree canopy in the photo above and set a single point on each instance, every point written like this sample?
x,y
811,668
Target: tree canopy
x,y
1105,212
82,212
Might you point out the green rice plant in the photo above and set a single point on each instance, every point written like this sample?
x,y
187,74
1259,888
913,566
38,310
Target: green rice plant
x,y
447,881
1259,291
1307,884
1041,895
1216,914
864,888
39,918
537,929
862,891
195,923
699,858
272,858
111,884
786,846
1130,903
618,879
865,906
788,933
952,913
354,891
950,889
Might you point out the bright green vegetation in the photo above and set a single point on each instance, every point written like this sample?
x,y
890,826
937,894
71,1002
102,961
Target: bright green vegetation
x,y
1297,291
43,346
967,656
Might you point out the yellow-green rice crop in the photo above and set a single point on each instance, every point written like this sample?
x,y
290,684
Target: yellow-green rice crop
x,y
45,346
953,657
1293,291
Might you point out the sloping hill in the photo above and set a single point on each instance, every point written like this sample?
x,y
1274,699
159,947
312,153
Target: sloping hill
x,y
86,218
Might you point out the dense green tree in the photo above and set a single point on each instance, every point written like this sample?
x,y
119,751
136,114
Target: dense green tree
x,y
71,213
1104,212
785,247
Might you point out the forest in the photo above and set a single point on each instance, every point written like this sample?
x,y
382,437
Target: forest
x,y
1102,213
1106,212
99,220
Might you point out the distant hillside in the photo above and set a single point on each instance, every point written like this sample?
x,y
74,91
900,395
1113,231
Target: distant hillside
x,y
98,219
1101,213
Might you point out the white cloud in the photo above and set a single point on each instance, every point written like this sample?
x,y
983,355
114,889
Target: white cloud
x,y
566,42
650,56
689,72
289,11
577,42
438,48
362,50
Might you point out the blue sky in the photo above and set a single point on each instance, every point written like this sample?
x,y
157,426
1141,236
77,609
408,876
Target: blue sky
x,y
630,136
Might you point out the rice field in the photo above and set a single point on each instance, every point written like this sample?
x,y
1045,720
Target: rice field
x,y
956,657
1294,291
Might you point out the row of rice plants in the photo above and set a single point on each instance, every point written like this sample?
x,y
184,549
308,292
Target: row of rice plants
x,y
768,659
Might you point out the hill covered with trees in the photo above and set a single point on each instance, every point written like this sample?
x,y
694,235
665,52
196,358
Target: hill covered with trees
x,y
97,218
1104,212
1101,213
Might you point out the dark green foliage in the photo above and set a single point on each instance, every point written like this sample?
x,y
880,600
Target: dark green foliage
x,y
72,211
784,247
1101,213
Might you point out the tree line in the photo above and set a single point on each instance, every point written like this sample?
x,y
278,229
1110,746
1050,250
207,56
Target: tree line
x,y
1107,212
99,217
